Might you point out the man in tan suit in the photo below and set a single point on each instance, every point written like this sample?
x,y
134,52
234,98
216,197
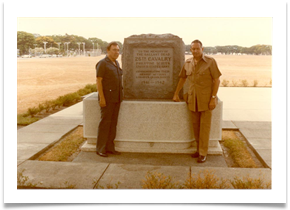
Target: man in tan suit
x,y
203,75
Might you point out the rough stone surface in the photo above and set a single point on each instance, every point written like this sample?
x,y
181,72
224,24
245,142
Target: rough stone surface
x,y
151,64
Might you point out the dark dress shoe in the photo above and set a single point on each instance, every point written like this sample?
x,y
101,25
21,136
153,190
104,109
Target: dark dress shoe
x,y
102,154
114,152
201,159
195,155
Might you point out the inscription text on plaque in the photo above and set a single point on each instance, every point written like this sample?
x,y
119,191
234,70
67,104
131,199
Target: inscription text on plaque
x,y
153,66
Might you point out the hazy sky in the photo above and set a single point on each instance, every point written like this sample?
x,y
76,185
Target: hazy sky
x,y
215,23
247,31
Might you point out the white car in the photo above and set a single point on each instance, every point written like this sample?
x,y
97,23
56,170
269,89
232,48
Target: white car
x,y
54,56
26,56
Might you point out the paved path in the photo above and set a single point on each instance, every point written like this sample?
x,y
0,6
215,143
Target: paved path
x,y
246,103
246,109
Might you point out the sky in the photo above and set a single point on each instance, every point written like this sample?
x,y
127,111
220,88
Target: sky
x,y
212,31
215,23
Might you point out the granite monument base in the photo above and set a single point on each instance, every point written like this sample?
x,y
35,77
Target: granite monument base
x,y
147,126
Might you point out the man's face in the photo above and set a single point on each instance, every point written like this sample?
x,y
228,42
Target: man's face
x,y
196,50
113,53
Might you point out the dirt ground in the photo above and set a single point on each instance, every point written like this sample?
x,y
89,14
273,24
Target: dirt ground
x,y
41,79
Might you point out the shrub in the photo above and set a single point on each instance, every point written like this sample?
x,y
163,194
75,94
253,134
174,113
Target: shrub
x,y
84,91
245,83
69,99
23,181
59,101
108,186
53,105
225,83
26,114
235,83
205,180
41,107
47,105
33,111
25,120
157,181
255,83
92,87
249,183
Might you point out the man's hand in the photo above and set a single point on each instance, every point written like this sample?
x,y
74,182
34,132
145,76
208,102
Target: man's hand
x,y
212,103
176,98
100,91
103,102
178,88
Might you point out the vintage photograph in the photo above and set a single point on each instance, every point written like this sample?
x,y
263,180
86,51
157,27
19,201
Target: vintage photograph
x,y
145,103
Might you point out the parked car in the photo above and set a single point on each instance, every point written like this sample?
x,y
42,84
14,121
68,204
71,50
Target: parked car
x,y
53,55
26,56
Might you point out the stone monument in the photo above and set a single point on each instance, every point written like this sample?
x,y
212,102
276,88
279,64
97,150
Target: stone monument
x,y
149,121
151,66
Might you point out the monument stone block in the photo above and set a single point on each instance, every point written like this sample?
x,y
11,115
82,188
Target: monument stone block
x,y
151,65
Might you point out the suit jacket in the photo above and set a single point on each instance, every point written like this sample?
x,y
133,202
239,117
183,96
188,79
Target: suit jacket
x,y
200,78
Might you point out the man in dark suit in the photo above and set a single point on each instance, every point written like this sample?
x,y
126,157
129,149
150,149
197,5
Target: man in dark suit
x,y
109,85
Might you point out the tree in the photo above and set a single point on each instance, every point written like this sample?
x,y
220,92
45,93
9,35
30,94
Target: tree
x,y
24,42
52,50
104,46
210,50
121,46
96,41
37,51
50,42
230,49
221,49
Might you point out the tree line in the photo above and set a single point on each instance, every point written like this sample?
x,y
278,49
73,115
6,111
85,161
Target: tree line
x,y
28,42
235,49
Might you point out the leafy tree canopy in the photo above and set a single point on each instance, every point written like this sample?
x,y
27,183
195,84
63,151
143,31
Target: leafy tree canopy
x,y
24,42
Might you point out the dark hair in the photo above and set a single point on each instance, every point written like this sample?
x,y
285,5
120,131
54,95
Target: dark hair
x,y
110,44
197,41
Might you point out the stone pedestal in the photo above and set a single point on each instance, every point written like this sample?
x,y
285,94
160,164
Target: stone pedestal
x,y
151,127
